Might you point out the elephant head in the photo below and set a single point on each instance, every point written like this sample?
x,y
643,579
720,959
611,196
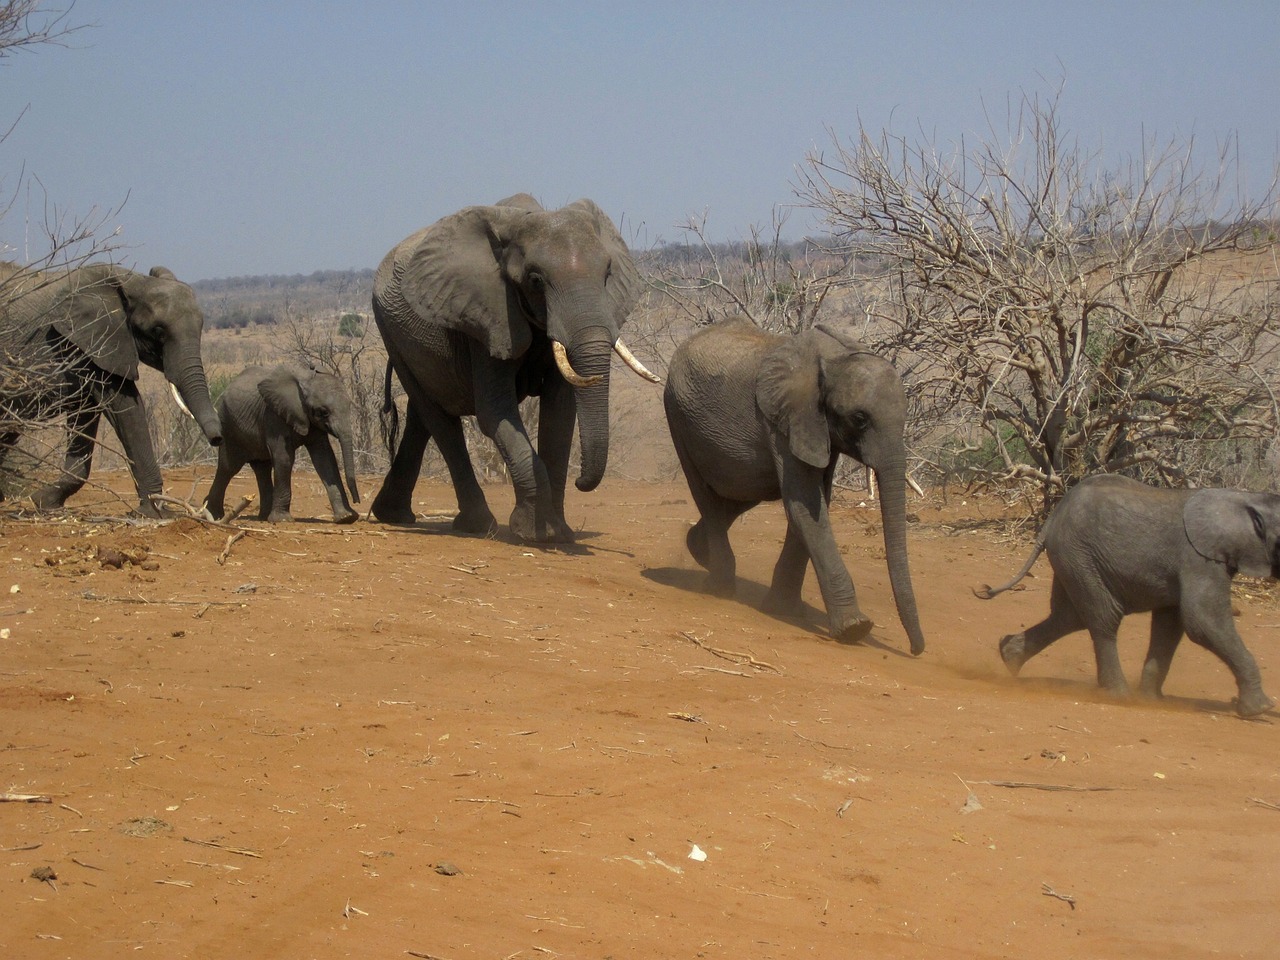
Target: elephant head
x,y
826,393
314,401
117,317
512,274
1236,528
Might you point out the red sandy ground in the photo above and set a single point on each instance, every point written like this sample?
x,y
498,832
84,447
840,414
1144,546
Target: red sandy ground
x,y
277,756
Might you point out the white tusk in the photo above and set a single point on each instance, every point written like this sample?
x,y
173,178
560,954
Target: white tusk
x,y
631,361
566,369
178,397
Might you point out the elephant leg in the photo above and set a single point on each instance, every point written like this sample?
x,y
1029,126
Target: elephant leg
x,y
1107,654
793,562
498,414
266,487
1017,648
474,515
394,502
1206,614
326,465
804,496
82,431
128,418
708,539
228,467
556,417
282,453
1166,633
788,574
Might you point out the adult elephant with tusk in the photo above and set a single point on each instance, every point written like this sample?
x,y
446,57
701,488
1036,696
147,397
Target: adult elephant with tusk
x,y
484,308
77,337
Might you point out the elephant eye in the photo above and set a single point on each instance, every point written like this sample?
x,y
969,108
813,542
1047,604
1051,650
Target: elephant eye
x,y
536,280
322,413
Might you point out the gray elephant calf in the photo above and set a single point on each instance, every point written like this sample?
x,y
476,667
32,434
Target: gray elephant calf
x,y
1119,547
266,415
756,417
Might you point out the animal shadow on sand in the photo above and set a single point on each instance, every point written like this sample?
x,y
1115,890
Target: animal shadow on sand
x,y
752,594
1087,690
436,526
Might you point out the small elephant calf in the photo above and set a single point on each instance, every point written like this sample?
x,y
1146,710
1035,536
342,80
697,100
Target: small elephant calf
x,y
1119,547
266,415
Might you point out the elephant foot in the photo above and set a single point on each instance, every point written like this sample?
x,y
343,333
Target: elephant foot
x,y
852,629
696,541
524,526
480,523
1253,703
349,517
386,511
49,498
1013,651
280,516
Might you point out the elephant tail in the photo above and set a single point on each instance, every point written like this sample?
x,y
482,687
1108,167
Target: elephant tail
x,y
389,416
986,592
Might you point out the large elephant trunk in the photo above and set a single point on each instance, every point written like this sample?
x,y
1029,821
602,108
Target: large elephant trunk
x,y
893,513
590,359
349,464
186,372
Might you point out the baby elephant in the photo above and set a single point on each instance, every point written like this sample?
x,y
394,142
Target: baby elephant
x,y
1119,547
266,415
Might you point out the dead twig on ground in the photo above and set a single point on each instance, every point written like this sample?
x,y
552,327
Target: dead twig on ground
x,y
90,595
24,798
1264,803
1048,891
226,550
731,655
223,846
1023,785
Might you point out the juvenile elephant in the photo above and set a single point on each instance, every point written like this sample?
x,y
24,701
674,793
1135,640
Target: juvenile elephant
x,y
484,308
755,417
1119,547
71,342
266,415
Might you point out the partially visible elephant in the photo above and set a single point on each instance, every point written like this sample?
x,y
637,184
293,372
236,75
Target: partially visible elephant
x,y
266,415
488,306
1118,546
757,416
79,335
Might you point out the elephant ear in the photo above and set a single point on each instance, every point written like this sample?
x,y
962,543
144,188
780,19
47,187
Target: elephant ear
x,y
787,392
91,313
451,276
1223,525
283,393
624,286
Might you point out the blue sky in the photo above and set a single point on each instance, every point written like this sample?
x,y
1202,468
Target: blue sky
x,y
280,136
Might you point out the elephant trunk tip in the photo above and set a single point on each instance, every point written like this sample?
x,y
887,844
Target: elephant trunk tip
x,y
587,484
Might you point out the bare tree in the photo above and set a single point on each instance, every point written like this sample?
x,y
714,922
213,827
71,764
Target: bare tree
x,y
779,286
1081,318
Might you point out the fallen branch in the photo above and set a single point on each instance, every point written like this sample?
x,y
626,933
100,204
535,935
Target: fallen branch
x,y
731,655
1023,785
90,595
1264,803
223,846
226,550
1048,891
24,798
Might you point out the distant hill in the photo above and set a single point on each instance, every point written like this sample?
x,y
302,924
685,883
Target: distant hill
x,y
266,299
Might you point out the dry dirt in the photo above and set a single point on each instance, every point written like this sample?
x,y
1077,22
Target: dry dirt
x,y
380,742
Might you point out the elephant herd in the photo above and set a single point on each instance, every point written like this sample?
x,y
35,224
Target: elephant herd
x,y
495,304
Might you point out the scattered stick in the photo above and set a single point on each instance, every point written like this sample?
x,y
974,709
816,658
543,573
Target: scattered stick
x,y
87,866
223,846
423,956
226,550
24,798
1048,891
348,910
732,655
1264,803
177,883
90,595
1023,785
505,803
240,508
